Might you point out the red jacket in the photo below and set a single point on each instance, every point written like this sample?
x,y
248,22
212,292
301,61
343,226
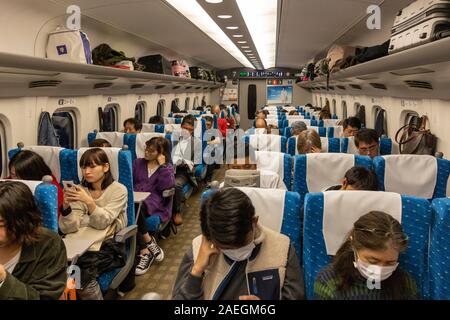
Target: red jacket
x,y
222,126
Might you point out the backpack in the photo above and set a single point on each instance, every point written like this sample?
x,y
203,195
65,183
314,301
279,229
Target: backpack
x,y
69,45
321,67
104,55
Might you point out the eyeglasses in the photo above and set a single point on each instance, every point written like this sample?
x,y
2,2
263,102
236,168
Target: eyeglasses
x,y
369,149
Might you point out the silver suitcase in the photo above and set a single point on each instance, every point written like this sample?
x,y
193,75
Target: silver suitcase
x,y
421,22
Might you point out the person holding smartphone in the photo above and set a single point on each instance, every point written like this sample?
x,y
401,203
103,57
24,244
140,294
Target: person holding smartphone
x,y
95,211
237,258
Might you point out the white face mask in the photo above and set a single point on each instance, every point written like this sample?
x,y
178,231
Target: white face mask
x,y
240,254
373,271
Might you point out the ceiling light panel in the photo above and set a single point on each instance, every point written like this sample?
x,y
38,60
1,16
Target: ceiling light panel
x,y
261,20
192,10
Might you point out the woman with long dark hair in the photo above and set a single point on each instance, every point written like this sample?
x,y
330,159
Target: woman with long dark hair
x,y
153,174
28,165
366,265
96,211
33,259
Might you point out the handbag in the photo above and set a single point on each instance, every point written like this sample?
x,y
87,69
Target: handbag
x,y
416,139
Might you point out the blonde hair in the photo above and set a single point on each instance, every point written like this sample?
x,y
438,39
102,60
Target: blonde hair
x,y
308,139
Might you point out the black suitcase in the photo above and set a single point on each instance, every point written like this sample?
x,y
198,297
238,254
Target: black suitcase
x,y
421,22
156,64
196,73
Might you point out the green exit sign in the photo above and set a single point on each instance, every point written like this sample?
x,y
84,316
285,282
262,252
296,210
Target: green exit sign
x,y
243,74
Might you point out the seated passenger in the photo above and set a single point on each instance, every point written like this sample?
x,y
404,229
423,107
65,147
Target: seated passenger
x,y
293,113
358,178
268,179
230,120
366,265
132,126
298,127
33,259
221,123
100,143
264,262
309,142
152,174
184,166
28,165
260,115
262,124
213,141
156,120
368,143
351,127
95,211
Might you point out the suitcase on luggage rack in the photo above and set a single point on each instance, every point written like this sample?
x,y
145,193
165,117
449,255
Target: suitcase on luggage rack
x,y
156,64
421,22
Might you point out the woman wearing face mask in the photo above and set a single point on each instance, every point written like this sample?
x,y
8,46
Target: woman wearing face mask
x,y
236,258
366,265
95,211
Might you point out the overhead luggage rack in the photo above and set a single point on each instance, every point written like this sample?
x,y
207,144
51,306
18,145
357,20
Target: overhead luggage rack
x,y
429,62
17,68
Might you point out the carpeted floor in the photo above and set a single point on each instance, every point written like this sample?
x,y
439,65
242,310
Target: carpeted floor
x,y
161,276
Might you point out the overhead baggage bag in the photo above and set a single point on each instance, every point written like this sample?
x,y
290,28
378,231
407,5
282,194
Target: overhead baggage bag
x,y
421,22
69,46
156,64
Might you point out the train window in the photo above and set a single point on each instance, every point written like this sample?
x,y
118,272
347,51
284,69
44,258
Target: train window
x,y
380,124
204,101
344,110
412,118
174,106
139,112
160,108
334,107
321,104
110,118
361,114
64,124
187,103
195,102
3,158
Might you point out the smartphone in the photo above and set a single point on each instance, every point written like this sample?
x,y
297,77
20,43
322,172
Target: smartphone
x,y
68,184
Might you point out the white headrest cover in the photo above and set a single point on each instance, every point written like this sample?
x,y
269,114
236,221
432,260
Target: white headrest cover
x,y
259,131
324,142
413,175
338,131
141,139
352,149
273,122
113,157
168,120
115,138
270,161
330,122
148,127
269,206
169,128
51,158
32,185
326,169
266,142
343,208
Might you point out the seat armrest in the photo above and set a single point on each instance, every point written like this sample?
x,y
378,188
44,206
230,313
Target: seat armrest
x,y
126,233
